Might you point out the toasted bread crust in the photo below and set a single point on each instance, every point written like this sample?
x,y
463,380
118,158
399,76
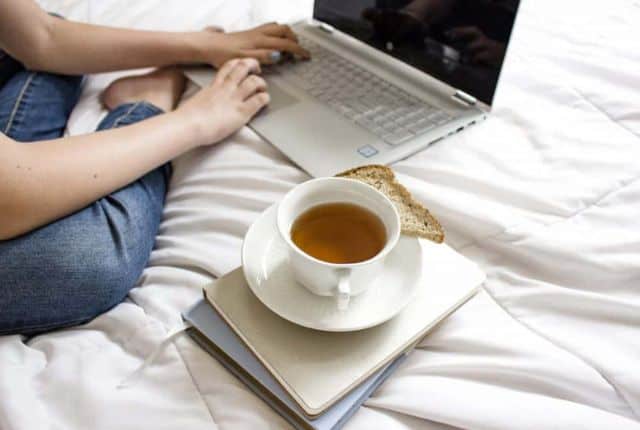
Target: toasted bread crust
x,y
416,219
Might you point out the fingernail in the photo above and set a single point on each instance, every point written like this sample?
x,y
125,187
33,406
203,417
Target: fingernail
x,y
275,56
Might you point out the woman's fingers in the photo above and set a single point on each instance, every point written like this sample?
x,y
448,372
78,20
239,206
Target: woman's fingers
x,y
278,30
282,44
252,85
285,31
265,56
288,33
241,69
224,71
256,102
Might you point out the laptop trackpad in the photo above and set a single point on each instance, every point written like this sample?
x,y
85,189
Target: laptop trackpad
x,y
202,76
279,99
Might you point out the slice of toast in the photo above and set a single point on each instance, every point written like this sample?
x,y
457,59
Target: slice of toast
x,y
415,218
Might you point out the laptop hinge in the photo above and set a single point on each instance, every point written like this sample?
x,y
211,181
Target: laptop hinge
x,y
465,98
326,28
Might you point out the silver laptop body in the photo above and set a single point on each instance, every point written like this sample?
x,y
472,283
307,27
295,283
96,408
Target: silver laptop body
x,y
355,103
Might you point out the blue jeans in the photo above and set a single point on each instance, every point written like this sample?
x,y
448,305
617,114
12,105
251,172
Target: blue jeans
x,y
71,270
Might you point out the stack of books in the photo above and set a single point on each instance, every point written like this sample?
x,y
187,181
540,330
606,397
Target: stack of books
x,y
318,379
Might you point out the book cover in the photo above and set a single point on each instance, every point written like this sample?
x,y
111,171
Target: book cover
x,y
318,368
214,335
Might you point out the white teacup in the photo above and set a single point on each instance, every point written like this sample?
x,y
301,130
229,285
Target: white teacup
x,y
329,279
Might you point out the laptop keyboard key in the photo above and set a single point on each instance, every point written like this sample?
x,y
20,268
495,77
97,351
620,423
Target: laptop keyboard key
x,y
366,123
379,131
438,117
398,137
377,105
421,127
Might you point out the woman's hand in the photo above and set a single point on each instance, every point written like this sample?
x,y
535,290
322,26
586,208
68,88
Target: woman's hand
x,y
258,43
229,102
46,43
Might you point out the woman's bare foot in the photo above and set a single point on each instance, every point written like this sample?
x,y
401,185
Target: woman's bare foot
x,y
162,88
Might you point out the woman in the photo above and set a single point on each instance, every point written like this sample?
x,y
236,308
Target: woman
x,y
78,215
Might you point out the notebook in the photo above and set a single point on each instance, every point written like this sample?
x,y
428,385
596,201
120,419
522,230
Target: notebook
x,y
211,332
316,368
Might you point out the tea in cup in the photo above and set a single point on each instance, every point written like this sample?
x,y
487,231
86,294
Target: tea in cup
x,y
338,232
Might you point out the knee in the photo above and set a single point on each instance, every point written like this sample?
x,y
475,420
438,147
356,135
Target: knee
x,y
106,271
59,286
35,105
109,262
98,276
107,279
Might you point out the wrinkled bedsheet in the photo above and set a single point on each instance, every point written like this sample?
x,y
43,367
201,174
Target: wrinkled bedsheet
x,y
545,196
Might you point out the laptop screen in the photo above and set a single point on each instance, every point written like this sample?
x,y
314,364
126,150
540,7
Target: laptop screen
x,y
460,42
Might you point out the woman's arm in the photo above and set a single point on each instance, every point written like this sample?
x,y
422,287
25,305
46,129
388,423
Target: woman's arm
x,y
48,180
44,42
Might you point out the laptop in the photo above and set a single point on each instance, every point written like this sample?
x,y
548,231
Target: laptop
x,y
387,79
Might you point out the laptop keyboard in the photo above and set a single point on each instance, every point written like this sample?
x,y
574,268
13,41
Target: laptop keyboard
x,y
371,102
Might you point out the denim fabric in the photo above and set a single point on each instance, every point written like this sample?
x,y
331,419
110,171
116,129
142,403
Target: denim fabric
x,y
35,106
75,268
8,67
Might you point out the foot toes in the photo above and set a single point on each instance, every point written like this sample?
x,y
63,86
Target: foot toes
x,y
108,97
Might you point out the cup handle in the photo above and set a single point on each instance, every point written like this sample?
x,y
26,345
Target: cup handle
x,y
344,289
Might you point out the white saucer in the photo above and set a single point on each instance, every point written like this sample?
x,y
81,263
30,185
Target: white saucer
x,y
266,269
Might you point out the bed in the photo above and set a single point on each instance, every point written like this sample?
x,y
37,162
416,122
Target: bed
x,y
545,196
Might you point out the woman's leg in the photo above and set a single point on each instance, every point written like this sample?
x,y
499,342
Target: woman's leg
x,y
34,105
70,271
8,67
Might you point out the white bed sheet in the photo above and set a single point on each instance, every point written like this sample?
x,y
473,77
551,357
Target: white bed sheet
x,y
544,195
